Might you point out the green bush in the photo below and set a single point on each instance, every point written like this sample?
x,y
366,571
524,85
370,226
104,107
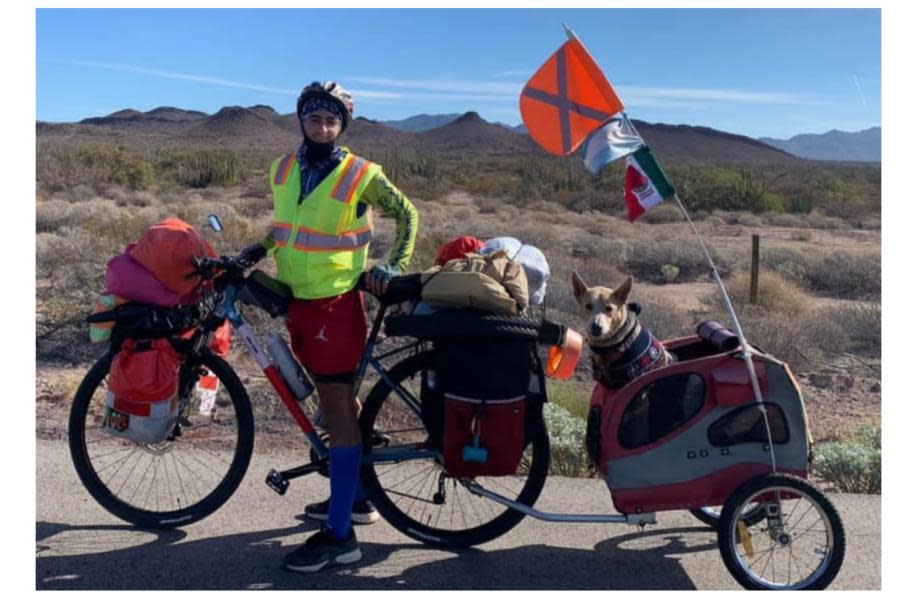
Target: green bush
x,y
201,168
568,456
853,466
62,167
571,396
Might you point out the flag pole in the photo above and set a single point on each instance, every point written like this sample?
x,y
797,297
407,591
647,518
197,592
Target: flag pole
x,y
746,351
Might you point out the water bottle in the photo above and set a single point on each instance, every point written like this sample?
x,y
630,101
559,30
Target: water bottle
x,y
287,365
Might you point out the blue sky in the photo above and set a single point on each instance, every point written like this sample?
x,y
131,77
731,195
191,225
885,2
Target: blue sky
x,y
757,72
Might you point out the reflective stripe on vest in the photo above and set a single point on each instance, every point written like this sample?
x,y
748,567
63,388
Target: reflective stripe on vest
x,y
281,233
314,241
284,168
321,243
353,173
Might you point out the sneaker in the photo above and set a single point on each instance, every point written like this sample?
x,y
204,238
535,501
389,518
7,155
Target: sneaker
x,y
321,550
362,513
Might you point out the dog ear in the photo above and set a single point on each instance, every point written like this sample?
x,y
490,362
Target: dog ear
x,y
579,287
621,294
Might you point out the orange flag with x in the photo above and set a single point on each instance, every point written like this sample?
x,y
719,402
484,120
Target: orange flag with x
x,y
567,99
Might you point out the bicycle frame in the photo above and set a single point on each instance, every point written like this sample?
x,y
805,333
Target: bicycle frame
x,y
227,309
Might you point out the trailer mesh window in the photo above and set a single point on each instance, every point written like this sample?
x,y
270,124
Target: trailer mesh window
x,y
661,408
746,424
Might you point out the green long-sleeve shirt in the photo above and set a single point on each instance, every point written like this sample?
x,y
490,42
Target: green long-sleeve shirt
x,y
384,195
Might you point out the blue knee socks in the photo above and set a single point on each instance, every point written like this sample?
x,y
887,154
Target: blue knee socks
x,y
344,467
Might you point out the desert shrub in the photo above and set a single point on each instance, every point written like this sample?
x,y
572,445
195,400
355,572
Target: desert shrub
x,y
749,220
72,263
775,293
401,164
869,222
201,168
665,213
791,263
567,453
669,273
488,204
82,193
818,220
663,318
781,334
64,167
853,466
570,395
787,220
645,259
427,246
851,327
715,186
846,274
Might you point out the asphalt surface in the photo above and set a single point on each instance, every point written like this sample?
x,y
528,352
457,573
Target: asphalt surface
x,y
240,547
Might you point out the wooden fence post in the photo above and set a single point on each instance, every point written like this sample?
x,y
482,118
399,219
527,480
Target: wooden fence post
x,y
754,270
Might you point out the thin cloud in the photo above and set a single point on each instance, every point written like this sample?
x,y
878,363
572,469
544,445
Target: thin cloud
x,y
180,76
482,91
637,93
859,89
457,86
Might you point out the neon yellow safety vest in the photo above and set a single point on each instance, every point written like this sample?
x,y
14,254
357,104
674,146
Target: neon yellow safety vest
x,y
320,244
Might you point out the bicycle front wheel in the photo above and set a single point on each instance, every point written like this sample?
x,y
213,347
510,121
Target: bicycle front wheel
x,y
417,497
180,480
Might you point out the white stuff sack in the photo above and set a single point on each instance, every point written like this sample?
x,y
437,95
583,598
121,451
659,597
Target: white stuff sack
x,y
537,269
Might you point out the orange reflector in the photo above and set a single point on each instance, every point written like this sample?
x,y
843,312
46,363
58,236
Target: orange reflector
x,y
567,99
562,360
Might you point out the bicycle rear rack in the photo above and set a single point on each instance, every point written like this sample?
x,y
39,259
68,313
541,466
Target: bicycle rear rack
x,y
640,519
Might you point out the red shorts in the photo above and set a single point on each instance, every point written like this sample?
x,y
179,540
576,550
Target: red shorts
x,y
328,335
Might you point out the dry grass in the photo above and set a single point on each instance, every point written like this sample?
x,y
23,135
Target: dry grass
x,y
646,258
774,293
665,213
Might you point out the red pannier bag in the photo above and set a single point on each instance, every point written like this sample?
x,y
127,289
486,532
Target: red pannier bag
x,y
166,250
483,437
483,382
142,401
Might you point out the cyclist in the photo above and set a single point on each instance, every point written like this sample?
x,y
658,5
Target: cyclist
x,y
324,196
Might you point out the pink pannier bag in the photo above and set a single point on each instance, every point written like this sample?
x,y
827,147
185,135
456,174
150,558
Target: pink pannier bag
x,y
129,279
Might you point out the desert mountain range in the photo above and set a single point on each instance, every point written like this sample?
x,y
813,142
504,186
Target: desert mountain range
x,y
261,127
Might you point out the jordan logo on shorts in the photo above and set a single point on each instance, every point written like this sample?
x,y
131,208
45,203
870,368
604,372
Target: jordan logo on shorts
x,y
321,335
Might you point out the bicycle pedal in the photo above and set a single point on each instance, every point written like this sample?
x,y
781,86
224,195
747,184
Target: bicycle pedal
x,y
278,483
380,438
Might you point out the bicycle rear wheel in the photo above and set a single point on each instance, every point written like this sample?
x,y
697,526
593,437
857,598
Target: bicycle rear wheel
x,y
417,497
179,481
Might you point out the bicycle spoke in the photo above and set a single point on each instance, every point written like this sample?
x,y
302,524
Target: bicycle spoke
x,y
116,462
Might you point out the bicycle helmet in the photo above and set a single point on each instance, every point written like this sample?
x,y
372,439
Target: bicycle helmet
x,y
332,91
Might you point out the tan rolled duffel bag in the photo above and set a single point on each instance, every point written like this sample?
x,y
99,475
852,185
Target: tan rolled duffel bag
x,y
494,283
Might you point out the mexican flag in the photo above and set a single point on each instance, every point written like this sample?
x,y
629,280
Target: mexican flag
x,y
646,184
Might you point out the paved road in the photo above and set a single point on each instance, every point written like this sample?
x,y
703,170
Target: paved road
x,y
80,546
